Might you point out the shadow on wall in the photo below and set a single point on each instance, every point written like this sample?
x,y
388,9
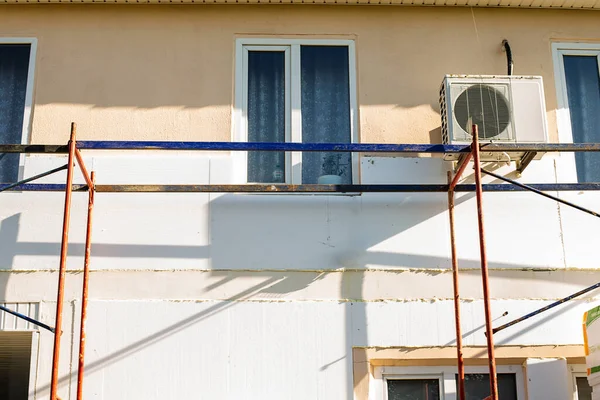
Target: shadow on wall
x,y
513,333
272,233
10,248
257,225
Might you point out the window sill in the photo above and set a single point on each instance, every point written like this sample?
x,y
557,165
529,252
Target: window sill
x,y
243,187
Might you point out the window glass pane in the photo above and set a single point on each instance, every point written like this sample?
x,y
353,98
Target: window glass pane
x,y
266,114
477,386
583,90
14,63
413,389
584,390
325,111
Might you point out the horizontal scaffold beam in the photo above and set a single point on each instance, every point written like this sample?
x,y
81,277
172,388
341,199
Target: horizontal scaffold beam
x,y
279,188
304,147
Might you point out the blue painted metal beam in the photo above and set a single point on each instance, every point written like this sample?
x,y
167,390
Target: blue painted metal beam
x,y
281,188
28,319
335,147
33,178
303,147
541,193
549,306
263,146
42,187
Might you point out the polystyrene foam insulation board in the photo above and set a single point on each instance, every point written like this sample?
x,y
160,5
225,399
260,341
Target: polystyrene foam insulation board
x,y
591,340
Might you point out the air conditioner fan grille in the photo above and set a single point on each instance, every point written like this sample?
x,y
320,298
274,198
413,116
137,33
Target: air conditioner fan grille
x,y
487,107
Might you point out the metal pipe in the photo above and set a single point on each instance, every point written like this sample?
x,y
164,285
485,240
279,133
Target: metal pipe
x,y
484,267
268,188
541,310
32,178
318,147
378,188
84,293
63,266
460,171
277,146
534,190
383,188
84,171
459,348
26,318
509,58
343,147
47,187
34,148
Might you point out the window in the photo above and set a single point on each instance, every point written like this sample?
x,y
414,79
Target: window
x,y
581,389
584,390
17,370
438,383
16,76
295,91
477,386
413,389
577,68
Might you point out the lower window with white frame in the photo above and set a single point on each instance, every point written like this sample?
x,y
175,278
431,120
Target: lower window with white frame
x,y
583,388
296,90
580,385
441,383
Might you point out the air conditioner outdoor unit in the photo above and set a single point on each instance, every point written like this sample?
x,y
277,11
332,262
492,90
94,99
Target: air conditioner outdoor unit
x,y
506,109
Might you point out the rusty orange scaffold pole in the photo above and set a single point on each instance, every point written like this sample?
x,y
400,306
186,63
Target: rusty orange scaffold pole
x,y
462,166
62,266
484,267
86,273
459,348
84,172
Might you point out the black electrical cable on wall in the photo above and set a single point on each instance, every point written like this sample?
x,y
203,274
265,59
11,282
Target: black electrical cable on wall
x,y
509,58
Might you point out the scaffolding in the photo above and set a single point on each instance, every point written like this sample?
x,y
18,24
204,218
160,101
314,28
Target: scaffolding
x,y
464,153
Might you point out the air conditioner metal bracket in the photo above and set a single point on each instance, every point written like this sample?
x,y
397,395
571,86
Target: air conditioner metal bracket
x,y
463,158
527,158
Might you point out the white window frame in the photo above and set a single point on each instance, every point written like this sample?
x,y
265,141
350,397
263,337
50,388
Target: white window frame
x,y
28,109
577,371
446,375
293,118
568,171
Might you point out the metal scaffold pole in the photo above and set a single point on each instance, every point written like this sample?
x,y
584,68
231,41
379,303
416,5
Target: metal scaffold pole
x,y
27,318
62,266
84,291
484,267
459,348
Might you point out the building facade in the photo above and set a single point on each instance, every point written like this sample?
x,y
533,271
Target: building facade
x,y
292,296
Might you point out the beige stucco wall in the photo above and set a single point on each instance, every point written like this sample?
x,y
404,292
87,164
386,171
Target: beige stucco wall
x,y
166,72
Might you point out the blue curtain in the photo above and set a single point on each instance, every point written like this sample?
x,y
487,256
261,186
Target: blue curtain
x,y
583,90
266,114
14,64
325,110
325,97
